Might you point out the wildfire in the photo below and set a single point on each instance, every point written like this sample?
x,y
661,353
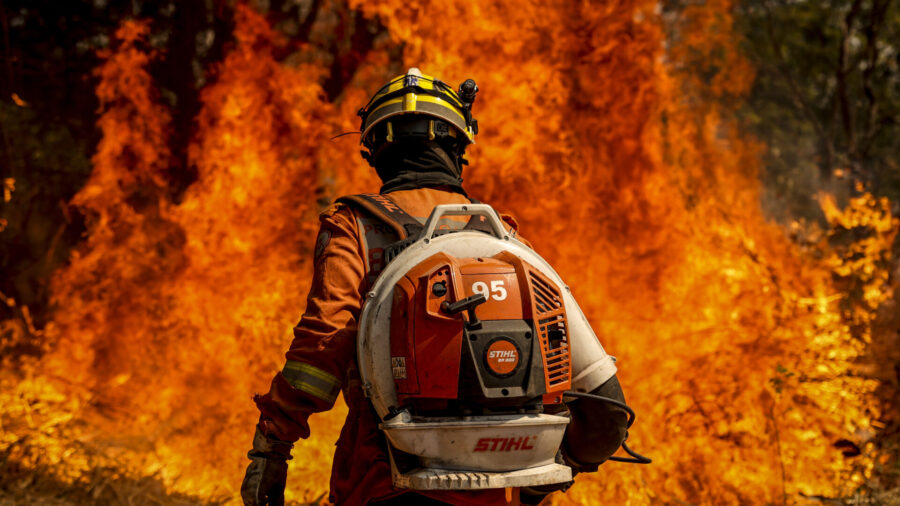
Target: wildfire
x,y
735,346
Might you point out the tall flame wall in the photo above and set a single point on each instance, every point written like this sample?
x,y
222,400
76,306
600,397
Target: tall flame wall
x,y
643,195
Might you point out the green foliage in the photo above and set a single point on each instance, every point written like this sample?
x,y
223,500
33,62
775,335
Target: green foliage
x,y
826,97
47,116
46,163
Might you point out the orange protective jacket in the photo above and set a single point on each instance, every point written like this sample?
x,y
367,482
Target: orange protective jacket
x,y
321,361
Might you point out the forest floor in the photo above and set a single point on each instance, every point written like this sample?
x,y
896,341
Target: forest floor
x,y
20,486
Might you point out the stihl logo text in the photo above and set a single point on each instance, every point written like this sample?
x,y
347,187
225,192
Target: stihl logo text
x,y
503,355
386,202
505,444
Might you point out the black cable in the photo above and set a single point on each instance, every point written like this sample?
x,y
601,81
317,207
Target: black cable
x,y
608,400
637,457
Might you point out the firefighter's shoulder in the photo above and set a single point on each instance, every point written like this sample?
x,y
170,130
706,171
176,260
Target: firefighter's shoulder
x,y
338,215
337,211
510,221
332,209
513,225
345,205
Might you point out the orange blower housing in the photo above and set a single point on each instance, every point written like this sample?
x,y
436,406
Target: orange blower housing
x,y
478,336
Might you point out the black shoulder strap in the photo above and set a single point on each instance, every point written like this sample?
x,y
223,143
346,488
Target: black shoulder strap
x,y
383,208
387,211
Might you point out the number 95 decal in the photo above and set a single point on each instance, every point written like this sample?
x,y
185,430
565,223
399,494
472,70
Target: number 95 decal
x,y
496,292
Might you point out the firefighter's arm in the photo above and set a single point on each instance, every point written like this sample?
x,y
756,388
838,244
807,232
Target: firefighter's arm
x,y
324,343
597,428
319,356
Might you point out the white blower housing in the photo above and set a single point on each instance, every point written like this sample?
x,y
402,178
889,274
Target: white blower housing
x,y
470,452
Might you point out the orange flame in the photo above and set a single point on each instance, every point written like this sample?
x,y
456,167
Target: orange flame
x,y
625,172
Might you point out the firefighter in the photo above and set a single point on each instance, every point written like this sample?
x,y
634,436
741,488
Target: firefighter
x,y
415,131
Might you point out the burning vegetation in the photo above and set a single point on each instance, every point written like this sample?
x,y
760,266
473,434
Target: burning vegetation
x,y
742,344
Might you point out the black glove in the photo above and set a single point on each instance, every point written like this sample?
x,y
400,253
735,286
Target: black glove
x,y
266,475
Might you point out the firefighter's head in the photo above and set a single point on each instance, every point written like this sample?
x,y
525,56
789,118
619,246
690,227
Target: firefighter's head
x,y
415,113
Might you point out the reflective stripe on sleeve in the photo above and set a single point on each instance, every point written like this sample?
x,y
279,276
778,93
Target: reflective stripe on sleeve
x,y
312,380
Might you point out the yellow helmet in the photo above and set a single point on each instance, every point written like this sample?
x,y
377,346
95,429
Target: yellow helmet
x,y
440,111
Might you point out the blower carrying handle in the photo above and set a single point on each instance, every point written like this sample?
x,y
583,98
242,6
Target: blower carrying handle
x,y
497,229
